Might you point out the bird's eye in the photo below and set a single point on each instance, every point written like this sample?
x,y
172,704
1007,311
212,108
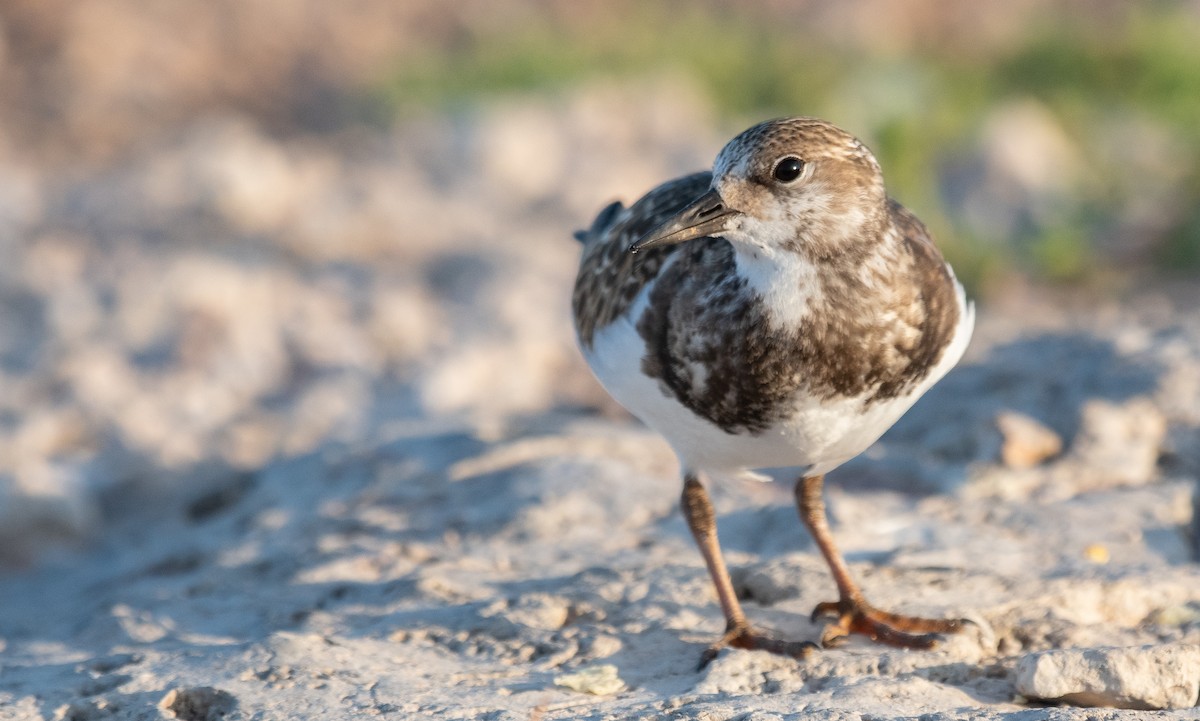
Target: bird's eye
x,y
788,169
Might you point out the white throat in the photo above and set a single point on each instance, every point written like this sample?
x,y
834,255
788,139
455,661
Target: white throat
x,y
786,281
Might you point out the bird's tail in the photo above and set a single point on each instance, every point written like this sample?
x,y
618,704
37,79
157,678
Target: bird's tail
x,y
604,220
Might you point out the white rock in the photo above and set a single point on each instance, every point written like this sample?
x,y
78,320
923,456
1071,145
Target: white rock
x,y
601,680
1147,677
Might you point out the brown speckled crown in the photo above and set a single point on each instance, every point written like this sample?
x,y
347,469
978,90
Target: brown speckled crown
x,y
807,138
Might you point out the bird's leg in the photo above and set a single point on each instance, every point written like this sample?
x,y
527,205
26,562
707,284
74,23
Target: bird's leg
x,y
702,521
851,612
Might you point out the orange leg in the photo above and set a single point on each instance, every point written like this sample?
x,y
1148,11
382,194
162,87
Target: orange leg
x,y
851,613
701,519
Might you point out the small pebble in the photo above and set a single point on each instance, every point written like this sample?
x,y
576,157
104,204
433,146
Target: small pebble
x,y
1026,441
201,703
596,680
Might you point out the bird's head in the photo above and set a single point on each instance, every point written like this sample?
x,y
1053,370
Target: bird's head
x,y
793,184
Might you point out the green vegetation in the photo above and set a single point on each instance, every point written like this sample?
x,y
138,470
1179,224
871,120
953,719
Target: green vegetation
x,y
1126,95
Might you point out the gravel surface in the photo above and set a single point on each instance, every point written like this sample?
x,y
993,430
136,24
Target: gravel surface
x,y
298,430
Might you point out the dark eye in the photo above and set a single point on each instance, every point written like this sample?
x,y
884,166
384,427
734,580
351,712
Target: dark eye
x,y
788,169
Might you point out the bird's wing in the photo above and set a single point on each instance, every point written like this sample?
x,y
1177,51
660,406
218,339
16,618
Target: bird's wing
x,y
916,235
946,312
610,277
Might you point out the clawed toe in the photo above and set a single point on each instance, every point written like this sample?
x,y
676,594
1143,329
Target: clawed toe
x,y
742,636
850,617
831,610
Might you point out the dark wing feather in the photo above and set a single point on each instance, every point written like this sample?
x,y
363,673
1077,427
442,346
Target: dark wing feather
x,y
938,298
602,222
610,277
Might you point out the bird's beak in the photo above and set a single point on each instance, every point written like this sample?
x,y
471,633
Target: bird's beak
x,y
706,216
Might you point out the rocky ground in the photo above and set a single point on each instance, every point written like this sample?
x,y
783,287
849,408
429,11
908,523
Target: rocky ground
x,y
298,430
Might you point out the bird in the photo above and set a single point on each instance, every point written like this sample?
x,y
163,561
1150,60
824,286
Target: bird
x,y
778,311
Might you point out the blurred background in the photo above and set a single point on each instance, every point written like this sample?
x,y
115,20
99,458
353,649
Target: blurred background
x,y
238,232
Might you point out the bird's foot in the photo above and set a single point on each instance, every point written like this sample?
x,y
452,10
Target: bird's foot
x,y
850,616
742,636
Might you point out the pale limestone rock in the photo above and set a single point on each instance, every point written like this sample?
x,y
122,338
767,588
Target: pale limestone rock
x,y
1146,677
599,680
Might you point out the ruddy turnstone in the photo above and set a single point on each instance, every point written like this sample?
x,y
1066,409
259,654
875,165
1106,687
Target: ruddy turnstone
x,y
779,311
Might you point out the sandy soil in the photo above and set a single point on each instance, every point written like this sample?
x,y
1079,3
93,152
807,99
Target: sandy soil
x,y
298,430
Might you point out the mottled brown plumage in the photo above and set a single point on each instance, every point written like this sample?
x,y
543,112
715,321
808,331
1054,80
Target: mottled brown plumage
x,y
609,276
781,310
